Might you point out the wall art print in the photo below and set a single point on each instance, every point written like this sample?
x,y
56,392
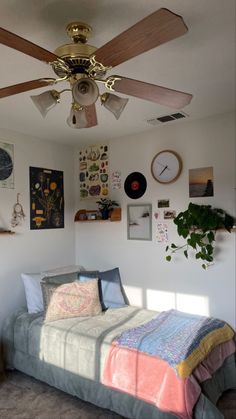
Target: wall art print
x,y
201,182
139,222
6,165
116,180
162,233
94,172
46,199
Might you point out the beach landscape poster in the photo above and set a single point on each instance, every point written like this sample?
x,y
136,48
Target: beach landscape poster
x,y
201,182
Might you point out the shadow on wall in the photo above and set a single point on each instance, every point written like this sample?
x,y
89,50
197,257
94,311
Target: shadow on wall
x,y
166,300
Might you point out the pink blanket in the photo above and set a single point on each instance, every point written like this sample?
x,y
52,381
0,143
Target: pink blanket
x,y
154,381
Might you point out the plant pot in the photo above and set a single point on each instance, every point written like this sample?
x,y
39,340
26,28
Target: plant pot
x,y
105,214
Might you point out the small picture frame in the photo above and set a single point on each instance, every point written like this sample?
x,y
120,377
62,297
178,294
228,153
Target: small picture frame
x,y
139,222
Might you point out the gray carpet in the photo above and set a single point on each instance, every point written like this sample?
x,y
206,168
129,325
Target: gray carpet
x,y
23,397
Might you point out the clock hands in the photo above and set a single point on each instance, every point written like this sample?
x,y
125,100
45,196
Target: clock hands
x,y
166,167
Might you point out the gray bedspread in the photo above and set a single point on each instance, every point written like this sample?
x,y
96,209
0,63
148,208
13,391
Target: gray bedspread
x,y
70,354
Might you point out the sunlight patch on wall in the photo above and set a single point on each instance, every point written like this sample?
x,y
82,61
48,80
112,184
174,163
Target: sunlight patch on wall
x,y
135,295
194,304
160,300
188,303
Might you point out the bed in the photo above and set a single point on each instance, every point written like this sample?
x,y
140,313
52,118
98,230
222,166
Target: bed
x,y
77,354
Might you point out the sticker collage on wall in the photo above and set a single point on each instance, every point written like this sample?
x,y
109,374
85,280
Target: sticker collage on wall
x,y
94,172
46,199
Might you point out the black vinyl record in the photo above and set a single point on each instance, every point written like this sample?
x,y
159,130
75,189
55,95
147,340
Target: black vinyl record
x,y
135,185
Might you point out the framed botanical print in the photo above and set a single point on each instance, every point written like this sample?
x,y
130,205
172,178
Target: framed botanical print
x,y
46,198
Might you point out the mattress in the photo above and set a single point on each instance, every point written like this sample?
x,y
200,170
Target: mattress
x,y
70,355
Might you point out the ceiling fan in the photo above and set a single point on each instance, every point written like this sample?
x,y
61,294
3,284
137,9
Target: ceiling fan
x,y
84,66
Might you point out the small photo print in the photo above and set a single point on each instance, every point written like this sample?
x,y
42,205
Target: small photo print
x,y
169,215
201,182
163,203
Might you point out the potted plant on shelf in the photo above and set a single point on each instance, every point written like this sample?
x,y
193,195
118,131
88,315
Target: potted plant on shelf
x,y
105,206
198,225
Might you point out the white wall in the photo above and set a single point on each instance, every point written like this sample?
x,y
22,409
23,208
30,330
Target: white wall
x,y
150,280
31,250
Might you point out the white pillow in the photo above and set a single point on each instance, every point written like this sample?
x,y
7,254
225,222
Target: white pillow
x,y
33,291
63,270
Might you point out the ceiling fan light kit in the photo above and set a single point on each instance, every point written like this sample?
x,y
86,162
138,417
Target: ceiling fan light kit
x,y
114,104
84,65
46,101
85,92
77,117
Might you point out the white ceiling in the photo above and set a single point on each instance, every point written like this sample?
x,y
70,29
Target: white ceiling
x,y
202,62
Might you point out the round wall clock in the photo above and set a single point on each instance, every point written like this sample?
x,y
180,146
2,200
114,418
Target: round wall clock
x,y
166,166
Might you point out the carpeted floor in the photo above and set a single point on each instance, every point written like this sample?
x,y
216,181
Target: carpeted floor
x,y
23,397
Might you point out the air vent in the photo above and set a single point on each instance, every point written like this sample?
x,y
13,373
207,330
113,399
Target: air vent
x,y
167,118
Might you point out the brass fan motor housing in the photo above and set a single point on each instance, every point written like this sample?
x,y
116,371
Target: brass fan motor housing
x,y
75,50
79,31
77,54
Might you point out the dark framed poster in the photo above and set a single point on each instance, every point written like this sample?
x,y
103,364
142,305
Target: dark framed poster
x,y
46,199
6,165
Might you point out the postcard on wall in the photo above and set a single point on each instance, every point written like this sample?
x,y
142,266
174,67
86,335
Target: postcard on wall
x,y
162,233
163,203
169,214
94,172
201,182
46,199
6,165
116,180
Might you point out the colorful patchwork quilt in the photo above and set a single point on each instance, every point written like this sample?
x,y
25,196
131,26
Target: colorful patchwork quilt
x,y
161,361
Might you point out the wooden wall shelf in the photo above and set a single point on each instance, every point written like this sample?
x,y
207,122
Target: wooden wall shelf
x,y
91,216
7,232
96,221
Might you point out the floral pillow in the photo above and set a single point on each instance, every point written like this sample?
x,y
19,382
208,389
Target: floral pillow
x,y
72,299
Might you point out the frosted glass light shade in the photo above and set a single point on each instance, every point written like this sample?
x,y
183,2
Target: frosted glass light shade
x,y
46,101
85,92
114,104
77,118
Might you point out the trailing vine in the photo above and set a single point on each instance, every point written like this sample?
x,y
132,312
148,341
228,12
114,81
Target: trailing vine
x,y
198,225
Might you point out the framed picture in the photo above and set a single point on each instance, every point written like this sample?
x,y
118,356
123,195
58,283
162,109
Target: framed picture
x,y
94,171
201,182
6,165
139,222
46,199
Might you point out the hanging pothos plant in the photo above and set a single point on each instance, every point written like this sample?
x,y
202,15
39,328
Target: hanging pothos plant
x,y
198,225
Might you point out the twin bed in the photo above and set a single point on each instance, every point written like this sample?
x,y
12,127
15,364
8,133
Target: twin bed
x,y
108,360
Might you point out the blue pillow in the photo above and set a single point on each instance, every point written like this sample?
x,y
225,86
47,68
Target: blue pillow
x,y
84,276
112,293
112,290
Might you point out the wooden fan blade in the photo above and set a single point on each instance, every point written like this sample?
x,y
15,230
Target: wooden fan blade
x,y
20,44
91,116
156,29
23,87
152,92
